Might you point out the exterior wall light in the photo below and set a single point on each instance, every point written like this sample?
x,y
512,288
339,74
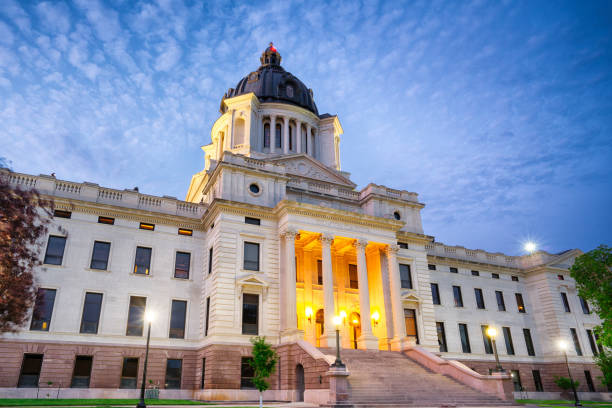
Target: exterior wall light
x,y
375,318
308,313
343,315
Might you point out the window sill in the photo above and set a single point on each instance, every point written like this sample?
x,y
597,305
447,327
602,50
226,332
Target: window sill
x,y
141,274
52,266
181,279
98,270
250,271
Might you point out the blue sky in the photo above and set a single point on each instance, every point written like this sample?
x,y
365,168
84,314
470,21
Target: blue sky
x,y
499,114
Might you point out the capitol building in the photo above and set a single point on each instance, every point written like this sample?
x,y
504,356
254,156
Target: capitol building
x,y
274,239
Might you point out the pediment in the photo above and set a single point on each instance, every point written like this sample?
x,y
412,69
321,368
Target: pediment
x,y
411,297
304,166
565,260
252,280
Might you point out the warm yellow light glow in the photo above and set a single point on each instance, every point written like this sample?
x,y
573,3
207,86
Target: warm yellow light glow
x,y
375,316
337,321
491,332
149,316
355,321
343,314
562,345
530,246
308,312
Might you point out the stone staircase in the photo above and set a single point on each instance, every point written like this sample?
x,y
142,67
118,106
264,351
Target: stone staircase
x,y
388,378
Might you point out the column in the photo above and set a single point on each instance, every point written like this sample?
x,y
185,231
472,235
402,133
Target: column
x,y
272,134
285,134
399,341
308,141
289,305
261,133
367,340
329,337
298,136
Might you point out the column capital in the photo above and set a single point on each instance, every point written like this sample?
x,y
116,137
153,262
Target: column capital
x,y
392,249
286,118
360,243
326,239
289,234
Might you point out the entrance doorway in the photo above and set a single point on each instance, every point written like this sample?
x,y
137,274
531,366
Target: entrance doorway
x,y
411,325
299,382
320,325
355,324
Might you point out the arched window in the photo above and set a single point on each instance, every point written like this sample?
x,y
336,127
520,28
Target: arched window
x,y
290,138
239,130
279,131
267,136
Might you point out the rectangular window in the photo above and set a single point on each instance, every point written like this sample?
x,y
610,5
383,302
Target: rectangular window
x,y
142,263
565,302
465,338
55,250
589,380
129,372
177,319
412,331
441,337
508,339
246,373
576,341
528,342
147,226
136,316
82,372
252,221
267,135
319,272
174,371
99,256
501,305
585,306
479,298
599,346
207,316
91,313
402,245
405,276
592,342
251,256
431,267
210,260
106,220
62,214
43,309
537,380
250,314
519,302
203,373
353,279
488,345
457,296
185,231
560,277
495,275
453,270
181,265
435,293
475,273
30,370
516,380
515,278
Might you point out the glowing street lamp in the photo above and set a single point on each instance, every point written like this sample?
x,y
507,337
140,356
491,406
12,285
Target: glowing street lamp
x,y
337,322
563,346
492,333
530,247
149,317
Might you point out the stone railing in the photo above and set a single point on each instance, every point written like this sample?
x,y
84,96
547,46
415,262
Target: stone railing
x,y
389,192
94,193
475,255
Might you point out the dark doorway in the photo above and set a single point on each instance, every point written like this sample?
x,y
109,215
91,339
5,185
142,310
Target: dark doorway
x,y
299,382
320,322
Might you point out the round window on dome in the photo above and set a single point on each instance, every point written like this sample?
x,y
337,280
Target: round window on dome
x,y
397,215
254,188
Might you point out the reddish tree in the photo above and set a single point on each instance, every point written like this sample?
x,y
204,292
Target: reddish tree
x,y
24,215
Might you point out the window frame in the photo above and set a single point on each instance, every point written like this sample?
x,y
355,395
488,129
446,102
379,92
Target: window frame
x,y
410,283
507,331
65,238
499,295
433,298
487,342
244,379
185,319
121,377
182,251
520,305
479,297
259,244
259,305
180,381
586,309
52,314
537,380
592,342
74,367
133,271
565,302
127,321
464,345
21,373
529,345
458,301
576,341
84,303
108,257
443,346
348,271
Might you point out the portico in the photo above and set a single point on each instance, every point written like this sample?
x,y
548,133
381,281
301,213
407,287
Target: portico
x,y
355,278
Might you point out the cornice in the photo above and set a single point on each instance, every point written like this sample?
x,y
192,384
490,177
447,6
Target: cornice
x,y
406,236
132,214
464,262
414,204
219,205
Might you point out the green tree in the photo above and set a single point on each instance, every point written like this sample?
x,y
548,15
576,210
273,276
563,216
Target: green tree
x,y
263,363
604,361
593,274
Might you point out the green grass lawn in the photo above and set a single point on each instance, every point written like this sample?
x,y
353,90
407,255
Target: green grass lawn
x,y
30,402
558,403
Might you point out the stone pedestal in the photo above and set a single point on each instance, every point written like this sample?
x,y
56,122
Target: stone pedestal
x,y
400,343
367,342
338,387
292,335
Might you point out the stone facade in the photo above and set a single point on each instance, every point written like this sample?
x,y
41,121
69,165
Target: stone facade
x,y
272,217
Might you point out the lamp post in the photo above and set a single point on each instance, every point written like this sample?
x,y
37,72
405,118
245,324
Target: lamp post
x,y
491,332
149,316
563,347
337,322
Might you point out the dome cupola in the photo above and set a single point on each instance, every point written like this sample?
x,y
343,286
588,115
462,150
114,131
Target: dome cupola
x,y
271,83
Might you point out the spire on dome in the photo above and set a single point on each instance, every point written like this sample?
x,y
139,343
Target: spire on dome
x,y
270,56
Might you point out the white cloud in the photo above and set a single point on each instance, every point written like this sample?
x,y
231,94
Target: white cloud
x,y
6,34
55,16
170,55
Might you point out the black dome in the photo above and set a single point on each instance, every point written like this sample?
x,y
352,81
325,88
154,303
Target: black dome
x,y
271,83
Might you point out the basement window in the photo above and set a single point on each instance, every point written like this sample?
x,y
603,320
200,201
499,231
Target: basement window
x,y
147,226
106,220
62,214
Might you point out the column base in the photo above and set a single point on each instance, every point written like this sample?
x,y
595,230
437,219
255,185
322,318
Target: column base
x,y
367,342
339,394
401,343
291,335
329,340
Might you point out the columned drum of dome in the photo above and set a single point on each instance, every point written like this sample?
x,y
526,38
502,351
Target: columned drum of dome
x,y
271,83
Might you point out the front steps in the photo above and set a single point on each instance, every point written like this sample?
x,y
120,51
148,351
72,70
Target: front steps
x,y
390,379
